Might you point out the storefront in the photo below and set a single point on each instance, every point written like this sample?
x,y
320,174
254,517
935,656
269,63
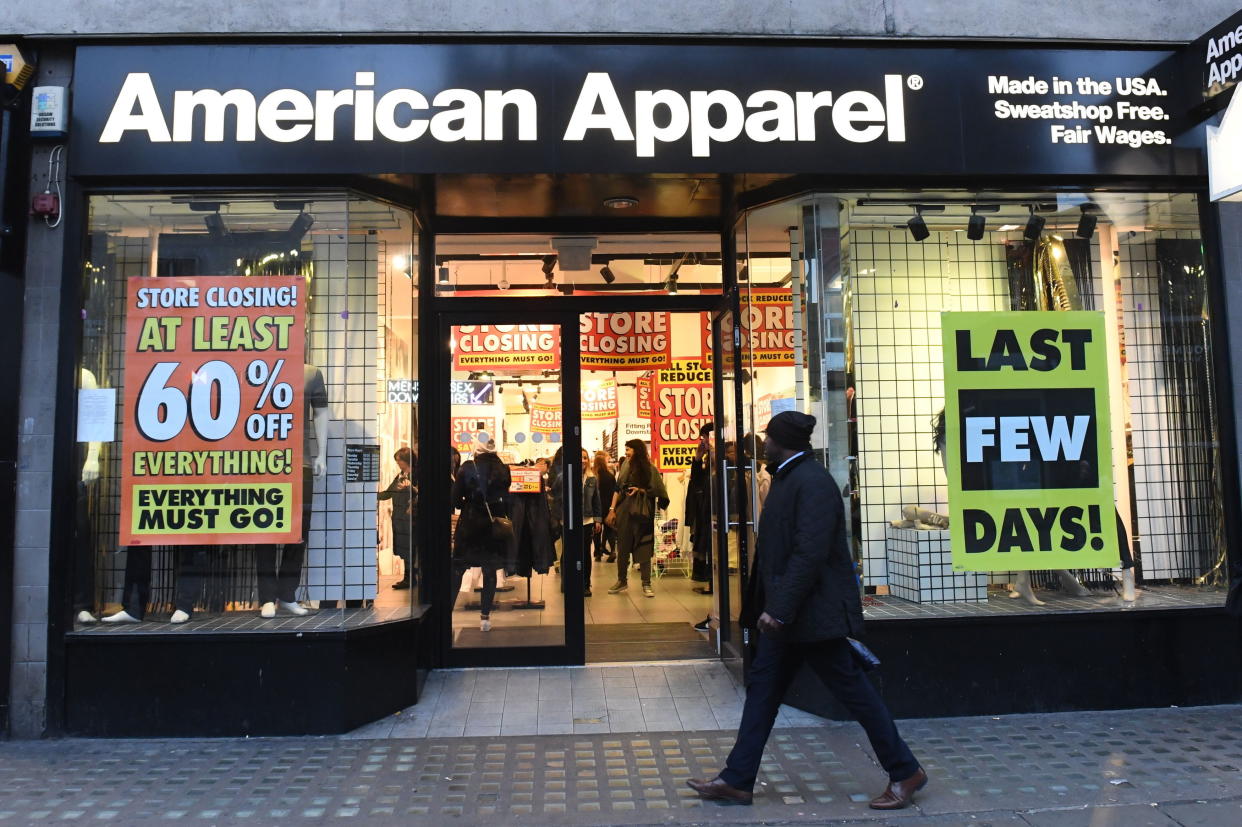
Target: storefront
x,y
315,281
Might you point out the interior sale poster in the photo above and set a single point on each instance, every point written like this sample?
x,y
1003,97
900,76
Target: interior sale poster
x,y
545,417
768,335
599,399
211,444
472,433
1028,441
644,390
506,348
682,403
625,341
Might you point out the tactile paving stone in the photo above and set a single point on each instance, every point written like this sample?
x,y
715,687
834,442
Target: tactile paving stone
x,y
811,775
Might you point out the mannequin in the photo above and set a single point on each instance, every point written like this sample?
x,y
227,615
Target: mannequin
x,y
278,583
84,539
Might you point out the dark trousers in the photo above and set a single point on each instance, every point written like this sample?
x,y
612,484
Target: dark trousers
x,y
772,671
630,542
192,567
137,588
279,568
588,544
279,571
605,542
487,598
83,554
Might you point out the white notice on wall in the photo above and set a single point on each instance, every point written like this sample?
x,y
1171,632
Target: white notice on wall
x,y
96,414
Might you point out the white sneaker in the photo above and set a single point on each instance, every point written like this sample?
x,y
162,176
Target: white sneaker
x,y
485,625
178,617
267,610
86,618
294,608
120,617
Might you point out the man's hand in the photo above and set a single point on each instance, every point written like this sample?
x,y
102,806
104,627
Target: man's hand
x,y
769,625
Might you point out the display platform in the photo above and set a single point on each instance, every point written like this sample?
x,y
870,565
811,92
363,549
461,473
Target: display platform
x,y
237,674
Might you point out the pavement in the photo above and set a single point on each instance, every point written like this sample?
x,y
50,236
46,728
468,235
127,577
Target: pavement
x,y
1129,768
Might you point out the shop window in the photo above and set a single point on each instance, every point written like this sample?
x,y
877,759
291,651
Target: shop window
x,y
215,329
842,298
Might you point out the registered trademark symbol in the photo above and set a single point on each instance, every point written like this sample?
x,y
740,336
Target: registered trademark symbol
x,y
915,81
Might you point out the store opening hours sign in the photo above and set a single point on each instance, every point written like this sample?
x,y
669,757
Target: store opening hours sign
x,y
212,439
1028,441
683,401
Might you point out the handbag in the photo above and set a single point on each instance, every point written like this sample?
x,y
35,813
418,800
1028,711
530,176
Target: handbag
x,y
502,527
864,657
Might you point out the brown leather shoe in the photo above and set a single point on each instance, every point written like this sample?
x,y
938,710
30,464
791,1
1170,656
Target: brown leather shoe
x,y
717,790
900,794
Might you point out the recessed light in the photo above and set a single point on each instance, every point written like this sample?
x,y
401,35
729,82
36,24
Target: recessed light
x,y
620,202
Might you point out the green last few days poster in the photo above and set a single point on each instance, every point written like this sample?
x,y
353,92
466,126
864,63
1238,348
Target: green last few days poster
x,y
1028,441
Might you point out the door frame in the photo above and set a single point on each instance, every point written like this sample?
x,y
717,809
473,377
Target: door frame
x,y
564,311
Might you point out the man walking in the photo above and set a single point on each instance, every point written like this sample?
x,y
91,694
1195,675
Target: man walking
x,y
803,599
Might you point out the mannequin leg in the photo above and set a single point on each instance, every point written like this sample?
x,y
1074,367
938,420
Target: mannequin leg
x,y
1071,584
191,575
1022,588
1128,593
83,560
136,591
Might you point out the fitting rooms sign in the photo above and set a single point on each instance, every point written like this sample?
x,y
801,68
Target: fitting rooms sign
x,y
619,108
1027,433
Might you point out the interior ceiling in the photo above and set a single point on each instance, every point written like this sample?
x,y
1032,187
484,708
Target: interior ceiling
x,y
659,195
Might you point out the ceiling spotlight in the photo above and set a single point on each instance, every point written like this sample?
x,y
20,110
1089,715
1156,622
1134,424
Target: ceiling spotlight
x,y
918,227
672,284
443,275
1034,226
975,226
607,275
215,225
1086,224
300,225
621,202
504,283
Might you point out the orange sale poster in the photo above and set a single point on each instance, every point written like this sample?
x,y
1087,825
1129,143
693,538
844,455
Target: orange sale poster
x,y
211,444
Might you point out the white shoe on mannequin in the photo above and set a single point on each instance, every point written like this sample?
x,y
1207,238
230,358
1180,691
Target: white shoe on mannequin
x,y
294,608
267,610
120,617
485,625
86,618
1128,593
179,617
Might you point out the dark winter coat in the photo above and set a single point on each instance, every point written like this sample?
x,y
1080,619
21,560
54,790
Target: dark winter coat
x,y
484,477
804,575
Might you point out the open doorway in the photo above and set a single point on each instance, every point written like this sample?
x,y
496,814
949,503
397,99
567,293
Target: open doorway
x,y
549,409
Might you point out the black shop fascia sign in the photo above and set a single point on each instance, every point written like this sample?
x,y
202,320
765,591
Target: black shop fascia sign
x,y
627,108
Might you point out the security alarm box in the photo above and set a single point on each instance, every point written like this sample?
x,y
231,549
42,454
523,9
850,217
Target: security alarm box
x,y
48,112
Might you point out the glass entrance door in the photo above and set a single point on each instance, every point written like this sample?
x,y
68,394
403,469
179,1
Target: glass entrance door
x,y
510,514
